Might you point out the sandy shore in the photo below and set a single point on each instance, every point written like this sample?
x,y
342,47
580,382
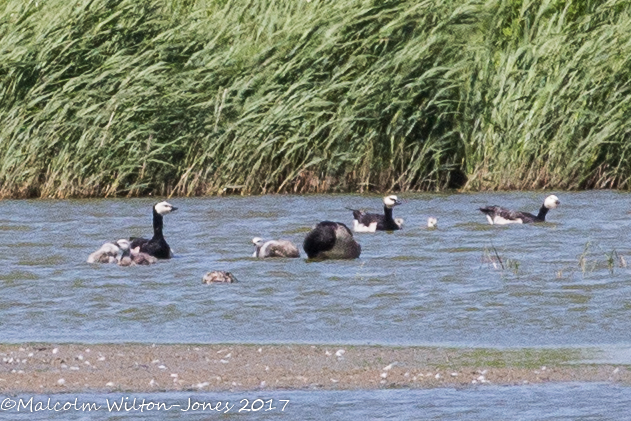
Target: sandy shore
x,y
47,368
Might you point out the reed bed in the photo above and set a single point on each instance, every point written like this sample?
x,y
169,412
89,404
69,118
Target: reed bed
x,y
186,97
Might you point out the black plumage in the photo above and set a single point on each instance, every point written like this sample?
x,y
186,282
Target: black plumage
x,y
383,222
499,215
371,222
157,245
509,215
331,240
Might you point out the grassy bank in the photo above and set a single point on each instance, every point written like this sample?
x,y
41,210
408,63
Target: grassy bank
x,y
131,97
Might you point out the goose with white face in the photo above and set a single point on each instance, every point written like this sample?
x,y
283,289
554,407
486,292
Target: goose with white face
x,y
497,215
157,245
164,208
391,201
372,222
551,202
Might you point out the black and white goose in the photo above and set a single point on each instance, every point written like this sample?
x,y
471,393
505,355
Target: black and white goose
x,y
331,240
157,245
274,248
371,222
502,216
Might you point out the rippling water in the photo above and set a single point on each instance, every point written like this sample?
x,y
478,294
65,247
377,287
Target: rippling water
x,y
564,283
573,401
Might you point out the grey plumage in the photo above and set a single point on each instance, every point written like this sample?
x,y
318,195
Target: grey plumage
x,y
274,248
120,252
218,276
108,253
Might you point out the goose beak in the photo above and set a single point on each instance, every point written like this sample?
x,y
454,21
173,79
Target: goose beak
x,y
558,202
398,202
173,208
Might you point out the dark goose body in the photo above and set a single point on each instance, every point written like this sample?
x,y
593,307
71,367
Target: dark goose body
x,y
331,240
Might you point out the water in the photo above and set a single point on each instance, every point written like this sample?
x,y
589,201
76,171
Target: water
x,y
571,401
413,287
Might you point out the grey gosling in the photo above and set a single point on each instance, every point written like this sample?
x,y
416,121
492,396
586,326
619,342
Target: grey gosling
x,y
274,248
108,253
219,277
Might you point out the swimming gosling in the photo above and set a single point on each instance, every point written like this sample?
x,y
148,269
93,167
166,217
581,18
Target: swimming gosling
x,y
219,277
274,248
108,253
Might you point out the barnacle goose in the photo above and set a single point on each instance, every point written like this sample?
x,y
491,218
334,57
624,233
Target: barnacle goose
x,y
157,245
502,216
371,222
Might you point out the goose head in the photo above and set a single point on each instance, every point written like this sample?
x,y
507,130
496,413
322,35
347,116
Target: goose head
x,y
391,201
258,243
163,208
123,245
551,202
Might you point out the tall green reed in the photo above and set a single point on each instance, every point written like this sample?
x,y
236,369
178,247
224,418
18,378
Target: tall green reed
x,y
122,97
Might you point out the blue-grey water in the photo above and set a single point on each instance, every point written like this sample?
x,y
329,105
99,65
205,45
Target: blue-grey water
x,y
563,283
559,284
570,401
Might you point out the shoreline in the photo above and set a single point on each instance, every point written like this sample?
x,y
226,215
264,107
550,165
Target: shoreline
x,y
64,368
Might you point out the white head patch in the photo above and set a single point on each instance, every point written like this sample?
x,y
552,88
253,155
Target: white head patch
x,y
391,201
432,222
551,202
164,207
123,244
